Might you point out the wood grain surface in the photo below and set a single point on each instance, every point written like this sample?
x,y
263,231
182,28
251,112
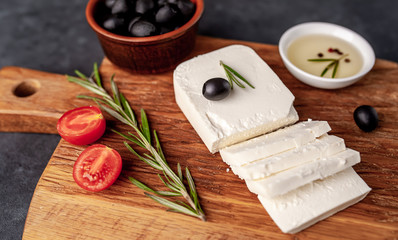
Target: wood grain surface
x,y
61,210
32,101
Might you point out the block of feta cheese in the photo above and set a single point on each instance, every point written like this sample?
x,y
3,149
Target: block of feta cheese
x,y
273,143
288,180
324,146
246,112
316,201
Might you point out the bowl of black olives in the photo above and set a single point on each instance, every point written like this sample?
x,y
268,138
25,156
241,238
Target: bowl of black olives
x,y
145,36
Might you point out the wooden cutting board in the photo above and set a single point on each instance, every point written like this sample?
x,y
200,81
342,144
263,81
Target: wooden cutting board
x,y
61,210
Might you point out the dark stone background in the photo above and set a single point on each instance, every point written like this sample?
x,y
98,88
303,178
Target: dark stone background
x,y
53,36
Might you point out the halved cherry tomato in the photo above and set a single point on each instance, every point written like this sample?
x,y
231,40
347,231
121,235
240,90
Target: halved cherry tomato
x,y
97,168
81,126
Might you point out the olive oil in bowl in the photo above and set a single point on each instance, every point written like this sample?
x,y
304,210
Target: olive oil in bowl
x,y
325,55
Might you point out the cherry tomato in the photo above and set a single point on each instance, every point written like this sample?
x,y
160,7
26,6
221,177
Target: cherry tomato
x,y
97,168
81,126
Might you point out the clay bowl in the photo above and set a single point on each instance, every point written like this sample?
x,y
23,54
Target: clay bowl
x,y
154,54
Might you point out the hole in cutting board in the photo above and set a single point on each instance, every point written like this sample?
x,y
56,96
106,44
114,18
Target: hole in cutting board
x,y
27,88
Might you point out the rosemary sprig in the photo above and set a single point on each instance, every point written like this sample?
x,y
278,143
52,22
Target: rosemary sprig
x,y
118,107
233,77
334,62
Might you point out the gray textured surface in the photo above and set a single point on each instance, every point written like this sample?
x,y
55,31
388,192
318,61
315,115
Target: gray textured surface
x,y
53,36
23,158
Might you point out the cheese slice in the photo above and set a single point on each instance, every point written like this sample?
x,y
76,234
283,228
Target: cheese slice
x,y
285,181
316,201
322,147
246,112
273,143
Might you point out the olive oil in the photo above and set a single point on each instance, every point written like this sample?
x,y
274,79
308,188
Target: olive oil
x,y
325,47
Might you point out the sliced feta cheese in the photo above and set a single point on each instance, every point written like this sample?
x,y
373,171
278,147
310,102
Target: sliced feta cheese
x,y
316,201
285,181
246,112
273,143
322,147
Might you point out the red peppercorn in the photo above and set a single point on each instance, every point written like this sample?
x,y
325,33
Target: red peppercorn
x,y
330,50
347,60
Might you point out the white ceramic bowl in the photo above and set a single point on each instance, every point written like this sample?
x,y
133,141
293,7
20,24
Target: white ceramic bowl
x,y
343,33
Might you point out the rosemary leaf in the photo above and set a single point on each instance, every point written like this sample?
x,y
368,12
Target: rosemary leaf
x,y
91,98
114,106
142,144
334,62
321,60
168,193
324,72
141,185
158,146
327,68
80,74
230,80
233,73
86,85
133,138
179,171
127,108
148,189
185,205
192,187
190,180
149,157
335,69
97,75
114,114
118,107
169,185
238,75
170,173
173,206
146,160
115,91
233,78
145,126
170,181
91,80
134,152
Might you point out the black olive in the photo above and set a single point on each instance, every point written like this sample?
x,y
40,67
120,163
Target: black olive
x,y
164,30
366,118
186,7
109,3
161,16
166,14
120,6
216,89
143,6
114,24
143,28
134,20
